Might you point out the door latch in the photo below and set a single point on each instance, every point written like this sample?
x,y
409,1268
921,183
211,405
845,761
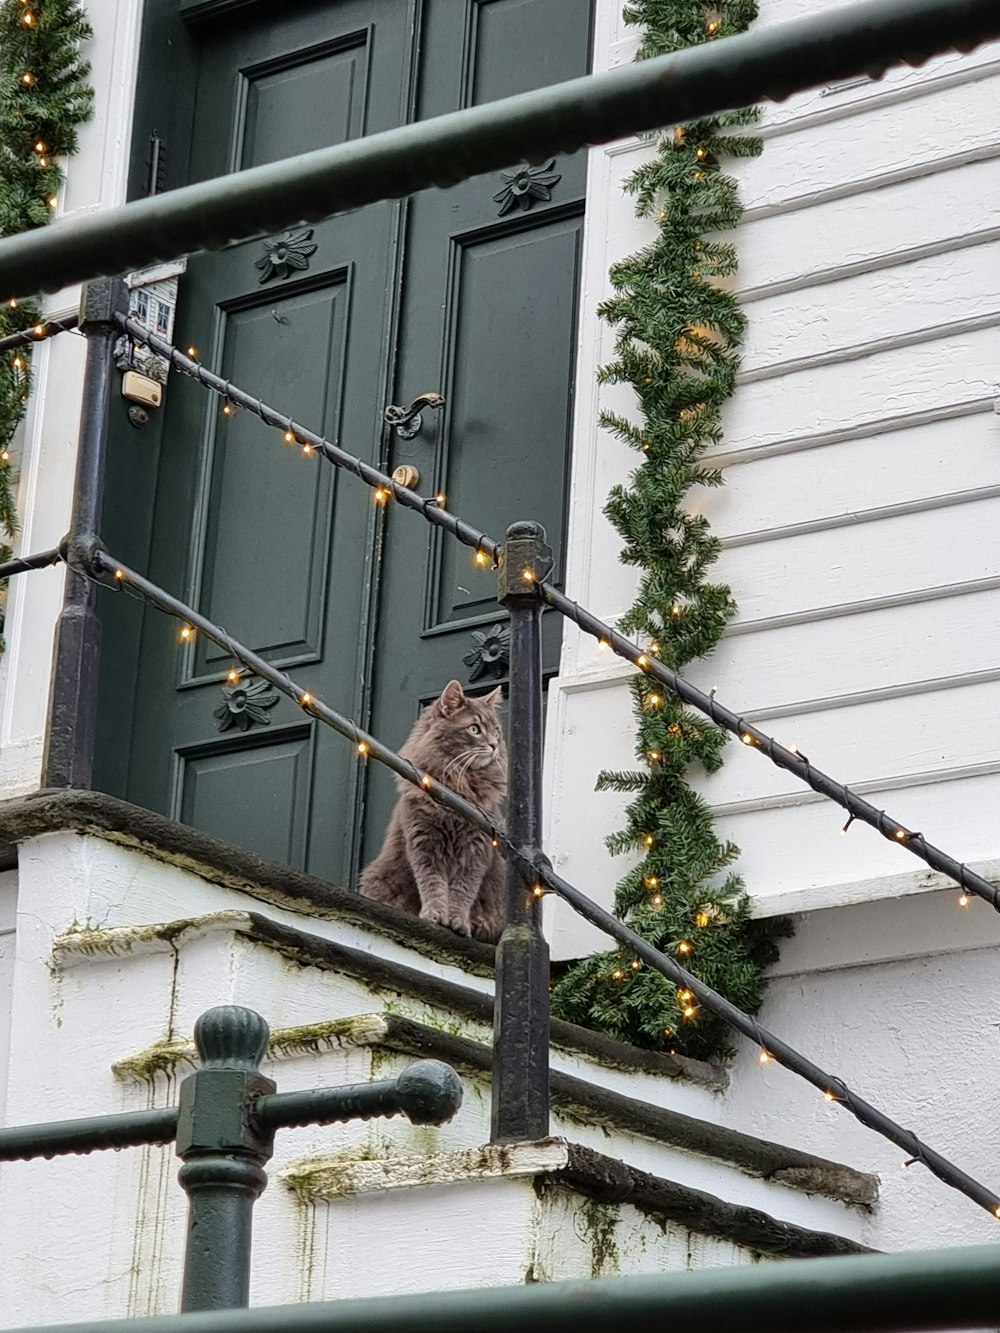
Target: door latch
x,y
406,421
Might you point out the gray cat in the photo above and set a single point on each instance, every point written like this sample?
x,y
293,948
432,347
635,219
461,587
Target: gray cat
x,y
432,864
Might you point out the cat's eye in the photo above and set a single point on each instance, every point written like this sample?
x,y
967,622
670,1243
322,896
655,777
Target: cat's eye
x,y
474,728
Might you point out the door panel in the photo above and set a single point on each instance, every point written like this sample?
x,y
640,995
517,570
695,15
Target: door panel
x,y
451,290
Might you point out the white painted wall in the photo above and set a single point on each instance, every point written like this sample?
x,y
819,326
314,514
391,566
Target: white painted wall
x,y
46,448
862,462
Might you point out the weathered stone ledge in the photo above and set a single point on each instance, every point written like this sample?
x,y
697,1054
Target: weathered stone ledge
x,y
76,946
556,1163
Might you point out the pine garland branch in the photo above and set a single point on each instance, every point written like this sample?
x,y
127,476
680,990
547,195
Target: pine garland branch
x,y
679,333
45,97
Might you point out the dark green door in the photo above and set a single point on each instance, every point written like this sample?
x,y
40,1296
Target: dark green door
x,y
455,291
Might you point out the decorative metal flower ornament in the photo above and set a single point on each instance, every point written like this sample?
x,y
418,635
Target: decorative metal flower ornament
x,y
290,250
526,185
491,655
246,702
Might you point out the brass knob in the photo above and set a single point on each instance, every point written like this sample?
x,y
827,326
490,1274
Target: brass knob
x,y
406,475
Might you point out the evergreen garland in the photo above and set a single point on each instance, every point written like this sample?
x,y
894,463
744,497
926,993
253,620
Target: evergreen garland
x,y
44,98
679,333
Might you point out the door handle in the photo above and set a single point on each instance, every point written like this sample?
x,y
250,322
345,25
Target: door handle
x,y
406,421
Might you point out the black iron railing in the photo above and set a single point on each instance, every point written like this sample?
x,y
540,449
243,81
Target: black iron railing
x,y
520,1108
223,1127
865,38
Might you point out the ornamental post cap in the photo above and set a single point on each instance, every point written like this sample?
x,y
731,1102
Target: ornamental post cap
x,y
232,1036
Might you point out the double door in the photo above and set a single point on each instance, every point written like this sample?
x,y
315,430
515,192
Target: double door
x,y
469,292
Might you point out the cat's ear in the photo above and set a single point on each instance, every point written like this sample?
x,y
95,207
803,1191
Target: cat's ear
x,y
495,699
452,699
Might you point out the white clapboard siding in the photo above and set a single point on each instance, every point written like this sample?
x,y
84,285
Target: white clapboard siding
x,y
896,306
791,849
877,146
861,455
904,385
828,662
921,465
882,558
864,232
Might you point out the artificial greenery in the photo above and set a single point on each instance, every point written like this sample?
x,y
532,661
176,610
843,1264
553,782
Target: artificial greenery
x,y
44,98
679,332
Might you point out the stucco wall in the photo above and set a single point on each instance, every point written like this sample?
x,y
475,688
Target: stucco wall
x,y
862,466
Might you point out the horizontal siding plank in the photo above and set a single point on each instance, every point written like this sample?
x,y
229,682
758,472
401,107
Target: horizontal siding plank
x,y
788,850
932,377
883,306
938,459
877,146
866,230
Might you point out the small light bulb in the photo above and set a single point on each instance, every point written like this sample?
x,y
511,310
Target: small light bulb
x,y
701,919
18,363
684,996
27,78
305,697
362,747
675,610
654,700
746,738
53,201
40,147
119,573
307,449
763,1057
27,19
39,330
829,1097
648,839
538,891
683,947
701,154
380,496
439,499
425,781
996,1212
227,409
642,661
192,351
496,842
603,644
13,303
657,900
617,974
4,455
43,161
528,576
289,437
186,633
651,882
654,647
713,27
689,1011
232,675
901,834
653,755
482,558
635,965
963,900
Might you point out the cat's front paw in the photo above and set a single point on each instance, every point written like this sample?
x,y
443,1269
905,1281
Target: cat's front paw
x,y
460,925
439,915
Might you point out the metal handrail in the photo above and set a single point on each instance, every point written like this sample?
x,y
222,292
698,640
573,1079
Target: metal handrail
x,y
532,871
874,1293
765,65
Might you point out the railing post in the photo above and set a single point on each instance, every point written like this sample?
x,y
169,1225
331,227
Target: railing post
x,y
69,741
521,1010
224,1151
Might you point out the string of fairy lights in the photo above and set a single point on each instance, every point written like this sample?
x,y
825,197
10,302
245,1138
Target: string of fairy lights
x,y
537,870
645,658
538,873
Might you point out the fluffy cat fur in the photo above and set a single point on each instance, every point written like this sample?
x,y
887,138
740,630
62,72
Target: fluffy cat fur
x,y
432,864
